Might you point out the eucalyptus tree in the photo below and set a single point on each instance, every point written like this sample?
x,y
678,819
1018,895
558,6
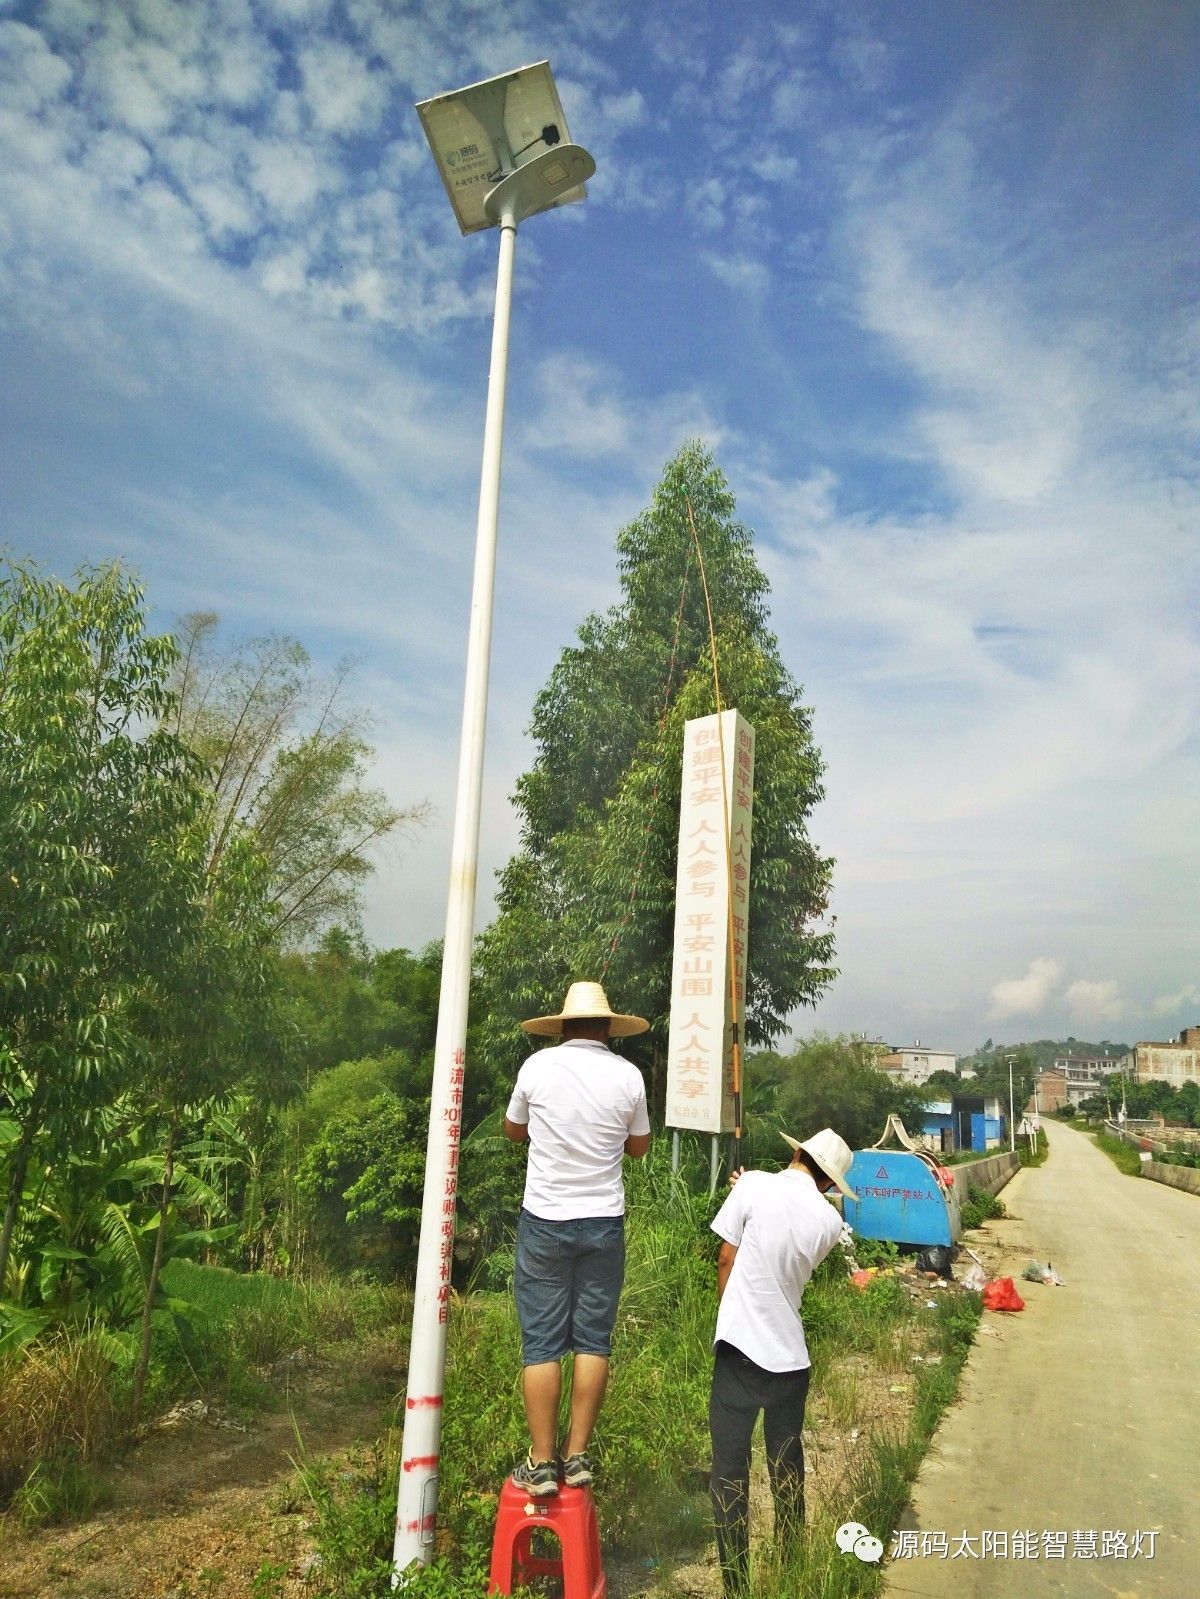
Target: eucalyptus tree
x,y
287,765
591,891
94,786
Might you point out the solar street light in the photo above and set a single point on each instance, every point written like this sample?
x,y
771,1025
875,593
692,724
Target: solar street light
x,y
504,155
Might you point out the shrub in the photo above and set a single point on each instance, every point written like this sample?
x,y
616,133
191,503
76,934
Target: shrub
x,y
980,1207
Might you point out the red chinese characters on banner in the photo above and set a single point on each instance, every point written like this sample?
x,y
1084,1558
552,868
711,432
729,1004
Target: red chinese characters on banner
x,y
713,879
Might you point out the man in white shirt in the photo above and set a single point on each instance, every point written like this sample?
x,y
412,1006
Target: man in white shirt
x,y
776,1229
582,1108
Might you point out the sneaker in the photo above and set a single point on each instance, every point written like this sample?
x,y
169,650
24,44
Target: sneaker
x,y
577,1470
538,1478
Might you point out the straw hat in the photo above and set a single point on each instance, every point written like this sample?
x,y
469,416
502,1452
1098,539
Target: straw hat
x,y
586,1000
831,1153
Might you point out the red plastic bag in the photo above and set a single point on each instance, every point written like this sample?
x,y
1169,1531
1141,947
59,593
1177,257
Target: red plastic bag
x,y
1001,1294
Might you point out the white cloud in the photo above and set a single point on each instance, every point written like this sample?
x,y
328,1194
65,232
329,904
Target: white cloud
x,y
343,93
1186,998
706,202
775,168
621,111
1094,1001
286,175
583,413
30,71
1026,996
738,272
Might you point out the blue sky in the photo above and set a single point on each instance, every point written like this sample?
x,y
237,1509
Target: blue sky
x,y
922,275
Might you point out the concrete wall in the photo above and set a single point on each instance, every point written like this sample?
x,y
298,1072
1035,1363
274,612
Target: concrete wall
x,y
1185,1177
991,1174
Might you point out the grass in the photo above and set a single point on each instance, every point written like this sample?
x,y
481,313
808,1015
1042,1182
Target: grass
x,y
1122,1156
652,1447
1037,1155
64,1398
980,1206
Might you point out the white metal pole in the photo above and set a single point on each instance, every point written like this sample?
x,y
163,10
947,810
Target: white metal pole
x,y
1012,1130
416,1500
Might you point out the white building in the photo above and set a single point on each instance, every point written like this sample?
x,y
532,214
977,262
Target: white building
x,y
916,1063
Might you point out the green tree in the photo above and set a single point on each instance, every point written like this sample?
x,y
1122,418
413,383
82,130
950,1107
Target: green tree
x,y
591,891
92,786
288,767
209,1019
832,1082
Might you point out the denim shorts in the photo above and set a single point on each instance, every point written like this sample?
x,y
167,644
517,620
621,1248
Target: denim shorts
x,y
568,1282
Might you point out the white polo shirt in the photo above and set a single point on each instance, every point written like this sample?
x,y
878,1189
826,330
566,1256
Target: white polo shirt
x,y
782,1227
580,1103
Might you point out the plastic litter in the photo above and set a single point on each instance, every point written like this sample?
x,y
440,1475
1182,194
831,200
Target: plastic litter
x,y
935,1258
1001,1294
975,1278
1035,1272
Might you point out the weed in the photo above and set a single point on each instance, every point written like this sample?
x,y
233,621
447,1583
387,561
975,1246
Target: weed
x,y
268,1580
981,1206
875,1251
58,1490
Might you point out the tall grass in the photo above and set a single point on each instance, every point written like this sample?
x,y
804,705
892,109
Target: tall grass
x,y
57,1412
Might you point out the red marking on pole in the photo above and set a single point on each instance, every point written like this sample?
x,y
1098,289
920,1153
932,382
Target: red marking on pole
x,y
420,1460
425,1525
425,1402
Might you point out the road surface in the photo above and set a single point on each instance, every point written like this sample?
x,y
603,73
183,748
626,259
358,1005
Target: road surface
x,y
1079,1415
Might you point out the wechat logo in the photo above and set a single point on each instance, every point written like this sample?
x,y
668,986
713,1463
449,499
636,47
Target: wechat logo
x,y
852,1538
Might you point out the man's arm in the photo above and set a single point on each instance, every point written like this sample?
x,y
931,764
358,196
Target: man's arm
x,y
637,1144
518,1132
726,1256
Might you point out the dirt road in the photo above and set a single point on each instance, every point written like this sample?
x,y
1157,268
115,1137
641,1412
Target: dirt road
x,y
1077,1416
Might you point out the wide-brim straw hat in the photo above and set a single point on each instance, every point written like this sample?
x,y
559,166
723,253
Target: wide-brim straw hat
x,y
831,1153
586,1001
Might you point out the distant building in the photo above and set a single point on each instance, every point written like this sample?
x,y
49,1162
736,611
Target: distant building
x,y
964,1121
1086,1074
1177,1064
1053,1090
916,1063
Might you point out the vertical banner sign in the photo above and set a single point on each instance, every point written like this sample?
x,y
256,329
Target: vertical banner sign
x,y
714,863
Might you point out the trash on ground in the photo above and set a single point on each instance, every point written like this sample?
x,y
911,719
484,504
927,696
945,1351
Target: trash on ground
x,y
1001,1294
975,1278
1035,1272
935,1259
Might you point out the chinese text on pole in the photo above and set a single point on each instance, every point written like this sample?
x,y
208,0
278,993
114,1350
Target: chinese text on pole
x,y
714,863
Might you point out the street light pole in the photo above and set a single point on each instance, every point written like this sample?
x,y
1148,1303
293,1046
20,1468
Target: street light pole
x,y
416,1500
1012,1128
482,125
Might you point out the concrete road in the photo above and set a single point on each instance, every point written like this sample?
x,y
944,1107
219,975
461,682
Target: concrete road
x,y
1080,1414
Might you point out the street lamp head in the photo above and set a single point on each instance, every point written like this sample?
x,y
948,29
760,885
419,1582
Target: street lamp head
x,y
540,184
488,132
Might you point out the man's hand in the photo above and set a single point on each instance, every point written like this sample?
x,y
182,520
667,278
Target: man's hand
x,y
734,1175
517,1132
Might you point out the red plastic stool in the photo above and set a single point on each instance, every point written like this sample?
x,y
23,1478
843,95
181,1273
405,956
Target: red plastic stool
x,y
571,1516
